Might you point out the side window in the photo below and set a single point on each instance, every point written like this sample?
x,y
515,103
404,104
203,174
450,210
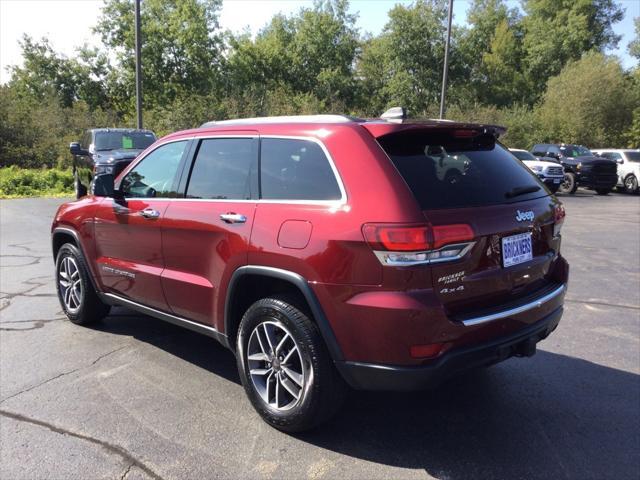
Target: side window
x,y
154,176
292,169
222,169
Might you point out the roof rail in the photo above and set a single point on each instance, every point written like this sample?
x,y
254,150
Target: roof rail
x,y
284,119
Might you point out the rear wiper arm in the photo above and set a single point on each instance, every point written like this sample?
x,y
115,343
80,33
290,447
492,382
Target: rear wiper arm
x,y
521,191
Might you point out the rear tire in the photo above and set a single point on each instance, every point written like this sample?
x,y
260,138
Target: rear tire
x,y
78,299
569,185
631,184
285,367
603,191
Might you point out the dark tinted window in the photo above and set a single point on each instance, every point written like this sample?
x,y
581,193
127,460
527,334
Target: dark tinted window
x,y
222,169
540,150
633,156
521,155
155,174
296,170
447,172
123,140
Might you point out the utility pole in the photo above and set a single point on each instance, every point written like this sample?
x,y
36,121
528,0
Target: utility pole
x,y
138,68
446,62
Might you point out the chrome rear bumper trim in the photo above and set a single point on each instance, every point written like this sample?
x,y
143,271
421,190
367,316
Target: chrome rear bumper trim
x,y
515,311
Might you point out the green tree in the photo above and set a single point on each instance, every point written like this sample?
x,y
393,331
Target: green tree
x,y
309,53
557,31
482,46
403,66
505,83
634,45
181,48
45,73
590,102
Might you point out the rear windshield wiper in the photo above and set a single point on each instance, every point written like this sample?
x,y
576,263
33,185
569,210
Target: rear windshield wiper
x,y
514,192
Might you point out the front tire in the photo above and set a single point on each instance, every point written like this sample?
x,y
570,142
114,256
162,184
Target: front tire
x,y
569,185
78,299
285,367
631,184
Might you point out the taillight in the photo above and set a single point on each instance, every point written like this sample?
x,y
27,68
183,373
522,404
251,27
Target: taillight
x,y
558,219
446,234
397,238
404,245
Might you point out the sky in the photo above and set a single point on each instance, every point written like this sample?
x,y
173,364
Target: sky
x,y
67,23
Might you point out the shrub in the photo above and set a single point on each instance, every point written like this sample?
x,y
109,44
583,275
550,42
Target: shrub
x,y
24,182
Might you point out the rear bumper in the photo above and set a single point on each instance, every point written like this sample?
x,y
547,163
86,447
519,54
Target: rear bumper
x,y
368,376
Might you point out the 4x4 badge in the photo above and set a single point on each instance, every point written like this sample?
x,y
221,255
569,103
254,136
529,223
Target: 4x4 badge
x,y
522,216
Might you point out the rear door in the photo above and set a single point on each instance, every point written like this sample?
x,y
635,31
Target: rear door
x,y
206,233
128,231
509,210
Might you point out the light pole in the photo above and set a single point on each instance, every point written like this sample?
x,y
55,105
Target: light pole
x,y
138,67
446,62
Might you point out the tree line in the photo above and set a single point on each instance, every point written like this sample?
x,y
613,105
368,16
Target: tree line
x,y
540,70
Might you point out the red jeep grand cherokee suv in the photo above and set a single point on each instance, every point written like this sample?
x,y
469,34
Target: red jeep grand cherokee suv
x,y
325,251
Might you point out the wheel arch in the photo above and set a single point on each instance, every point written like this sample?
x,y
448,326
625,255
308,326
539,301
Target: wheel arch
x,y
247,286
62,235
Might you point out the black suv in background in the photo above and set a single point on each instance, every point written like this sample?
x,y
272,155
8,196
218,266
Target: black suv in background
x,y
105,150
581,167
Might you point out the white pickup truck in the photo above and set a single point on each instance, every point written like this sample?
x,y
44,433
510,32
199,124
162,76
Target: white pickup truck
x,y
628,161
551,173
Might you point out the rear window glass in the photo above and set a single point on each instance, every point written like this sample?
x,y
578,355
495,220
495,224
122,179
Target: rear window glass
x,y
123,140
447,172
292,169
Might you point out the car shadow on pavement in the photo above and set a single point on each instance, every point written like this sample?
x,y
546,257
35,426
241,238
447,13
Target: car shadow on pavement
x,y
550,416
195,348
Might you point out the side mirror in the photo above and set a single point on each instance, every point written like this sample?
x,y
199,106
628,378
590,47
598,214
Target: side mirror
x,y
103,186
619,161
74,148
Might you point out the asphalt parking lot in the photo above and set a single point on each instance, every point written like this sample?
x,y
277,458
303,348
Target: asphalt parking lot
x,y
136,398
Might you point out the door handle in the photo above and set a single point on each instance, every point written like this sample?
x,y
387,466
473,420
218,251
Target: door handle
x,y
233,218
150,213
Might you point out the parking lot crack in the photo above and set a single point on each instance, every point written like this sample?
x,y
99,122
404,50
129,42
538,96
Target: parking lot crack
x,y
109,447
63,374
126,472
602,303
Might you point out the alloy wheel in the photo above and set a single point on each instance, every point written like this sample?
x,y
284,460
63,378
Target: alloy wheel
x,y
276,365
70,284
630,184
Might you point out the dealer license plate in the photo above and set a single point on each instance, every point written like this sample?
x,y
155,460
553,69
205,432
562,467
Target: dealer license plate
x,y
516,249
557,181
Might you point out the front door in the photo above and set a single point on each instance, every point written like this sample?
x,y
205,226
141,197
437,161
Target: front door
x,y
205,236
128,231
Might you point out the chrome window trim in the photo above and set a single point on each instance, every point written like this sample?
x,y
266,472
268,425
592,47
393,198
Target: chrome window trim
x,y
381,255
331,203
537,303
